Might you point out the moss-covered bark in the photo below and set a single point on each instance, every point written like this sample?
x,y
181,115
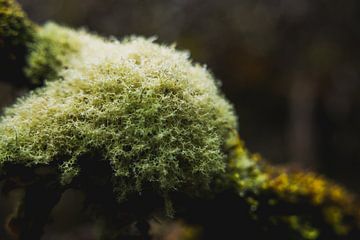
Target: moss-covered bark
x,y
144,133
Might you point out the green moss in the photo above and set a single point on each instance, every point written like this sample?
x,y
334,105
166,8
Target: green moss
x,y
50,53
15,27
245,170
154,116
304,228
31,54
16,32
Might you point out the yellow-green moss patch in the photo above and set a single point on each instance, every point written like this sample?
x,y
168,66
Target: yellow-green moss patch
x,y
156,117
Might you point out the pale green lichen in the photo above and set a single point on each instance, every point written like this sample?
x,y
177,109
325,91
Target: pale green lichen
x,y
156,117
49,53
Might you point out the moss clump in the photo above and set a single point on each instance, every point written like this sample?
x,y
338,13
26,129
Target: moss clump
x,y
158,119
49,53
16,32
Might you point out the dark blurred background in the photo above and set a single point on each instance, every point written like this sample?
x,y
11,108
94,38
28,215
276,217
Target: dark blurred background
x,y
291,67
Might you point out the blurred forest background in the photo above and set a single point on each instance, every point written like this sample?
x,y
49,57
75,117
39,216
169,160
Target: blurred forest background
x,y
291,67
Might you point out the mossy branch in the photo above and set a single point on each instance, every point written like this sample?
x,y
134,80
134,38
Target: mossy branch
x,y
149,130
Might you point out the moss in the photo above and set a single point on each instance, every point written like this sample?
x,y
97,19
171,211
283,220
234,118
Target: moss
x,y
158,119
316,188
16,32
49,53
305,230
31,54
306,203
159,124
245,169
338,208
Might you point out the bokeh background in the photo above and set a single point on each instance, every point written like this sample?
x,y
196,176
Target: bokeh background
x,y
291,67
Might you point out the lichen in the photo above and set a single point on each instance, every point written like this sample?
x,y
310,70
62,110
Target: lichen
x,y
159,122
157,118
50,53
